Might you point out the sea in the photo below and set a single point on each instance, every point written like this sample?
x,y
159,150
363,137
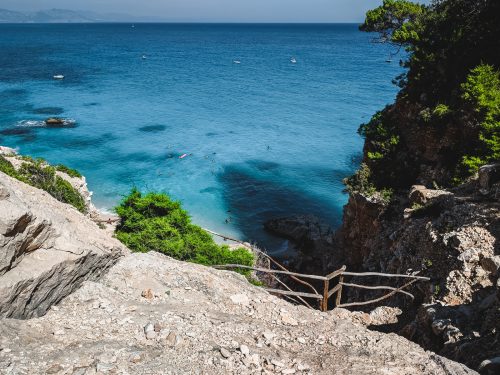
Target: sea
x,y
242,123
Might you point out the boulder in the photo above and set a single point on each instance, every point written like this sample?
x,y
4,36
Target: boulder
x,y
48,249
491,264
488,176
420,195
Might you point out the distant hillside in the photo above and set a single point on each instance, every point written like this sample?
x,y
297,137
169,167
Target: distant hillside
x,y
66,16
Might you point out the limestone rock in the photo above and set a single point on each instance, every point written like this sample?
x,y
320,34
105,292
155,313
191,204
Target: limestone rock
x,y
48,250
420,195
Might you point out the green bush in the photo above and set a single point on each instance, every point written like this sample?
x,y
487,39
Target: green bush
x,y
7,167
481,92
360,182
36,173
69,171
154,222
450,90
44,177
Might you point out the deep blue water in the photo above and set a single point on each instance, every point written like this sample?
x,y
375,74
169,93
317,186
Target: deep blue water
x,y
265,137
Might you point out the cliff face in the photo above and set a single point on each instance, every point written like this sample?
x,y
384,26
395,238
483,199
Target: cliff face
x,y
453,238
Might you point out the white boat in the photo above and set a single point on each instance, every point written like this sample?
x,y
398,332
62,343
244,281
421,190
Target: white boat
x,y
236,62
144,57
293,60
59,76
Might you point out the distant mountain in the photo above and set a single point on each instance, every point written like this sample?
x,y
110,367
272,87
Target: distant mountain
x,y
67,16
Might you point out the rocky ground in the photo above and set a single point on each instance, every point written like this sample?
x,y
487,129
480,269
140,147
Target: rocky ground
x,y
154,315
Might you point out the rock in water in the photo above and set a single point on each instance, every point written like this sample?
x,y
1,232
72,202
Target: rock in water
x,y
54,121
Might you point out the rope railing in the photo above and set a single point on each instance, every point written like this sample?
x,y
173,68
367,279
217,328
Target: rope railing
x,y
323,298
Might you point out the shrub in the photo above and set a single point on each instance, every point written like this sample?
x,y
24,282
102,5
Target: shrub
x,y
44,177
481,92
360,182
7,167
36,173
154,222
69,171
441,110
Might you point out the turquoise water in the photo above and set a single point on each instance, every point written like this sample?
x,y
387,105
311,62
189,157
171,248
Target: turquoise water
x,y
264,138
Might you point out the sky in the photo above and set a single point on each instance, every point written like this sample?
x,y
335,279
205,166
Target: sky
x,y
214,10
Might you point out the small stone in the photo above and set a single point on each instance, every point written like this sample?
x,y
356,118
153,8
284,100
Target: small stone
x,y
288,371
225,353
148,294
277,363
301,340
244,350
135,357
491,264
157,327
104,367
172,339
149,328
54,369
240,299
288,320
255,359
151,335
190,334
268,335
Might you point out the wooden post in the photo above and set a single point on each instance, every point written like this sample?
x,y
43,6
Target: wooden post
x,y
325,295
339,293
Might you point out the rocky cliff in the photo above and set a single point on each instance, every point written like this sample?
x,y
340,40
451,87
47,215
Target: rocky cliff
x,y
450,236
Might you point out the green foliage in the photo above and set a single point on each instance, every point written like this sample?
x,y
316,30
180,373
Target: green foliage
x,y
7,167
441,110
153,222
381,147
417,206
395,21
69,171
36,173
450,89
360,183
481,92
44,177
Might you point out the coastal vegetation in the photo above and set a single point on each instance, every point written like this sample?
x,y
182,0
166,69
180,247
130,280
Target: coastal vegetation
x,y
154,222
37,173
449,93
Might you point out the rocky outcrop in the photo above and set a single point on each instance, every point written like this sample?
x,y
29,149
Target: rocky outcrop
x,y
451,237
47,250
153,315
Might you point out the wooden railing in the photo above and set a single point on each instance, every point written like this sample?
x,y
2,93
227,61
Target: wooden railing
x,y
323,298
